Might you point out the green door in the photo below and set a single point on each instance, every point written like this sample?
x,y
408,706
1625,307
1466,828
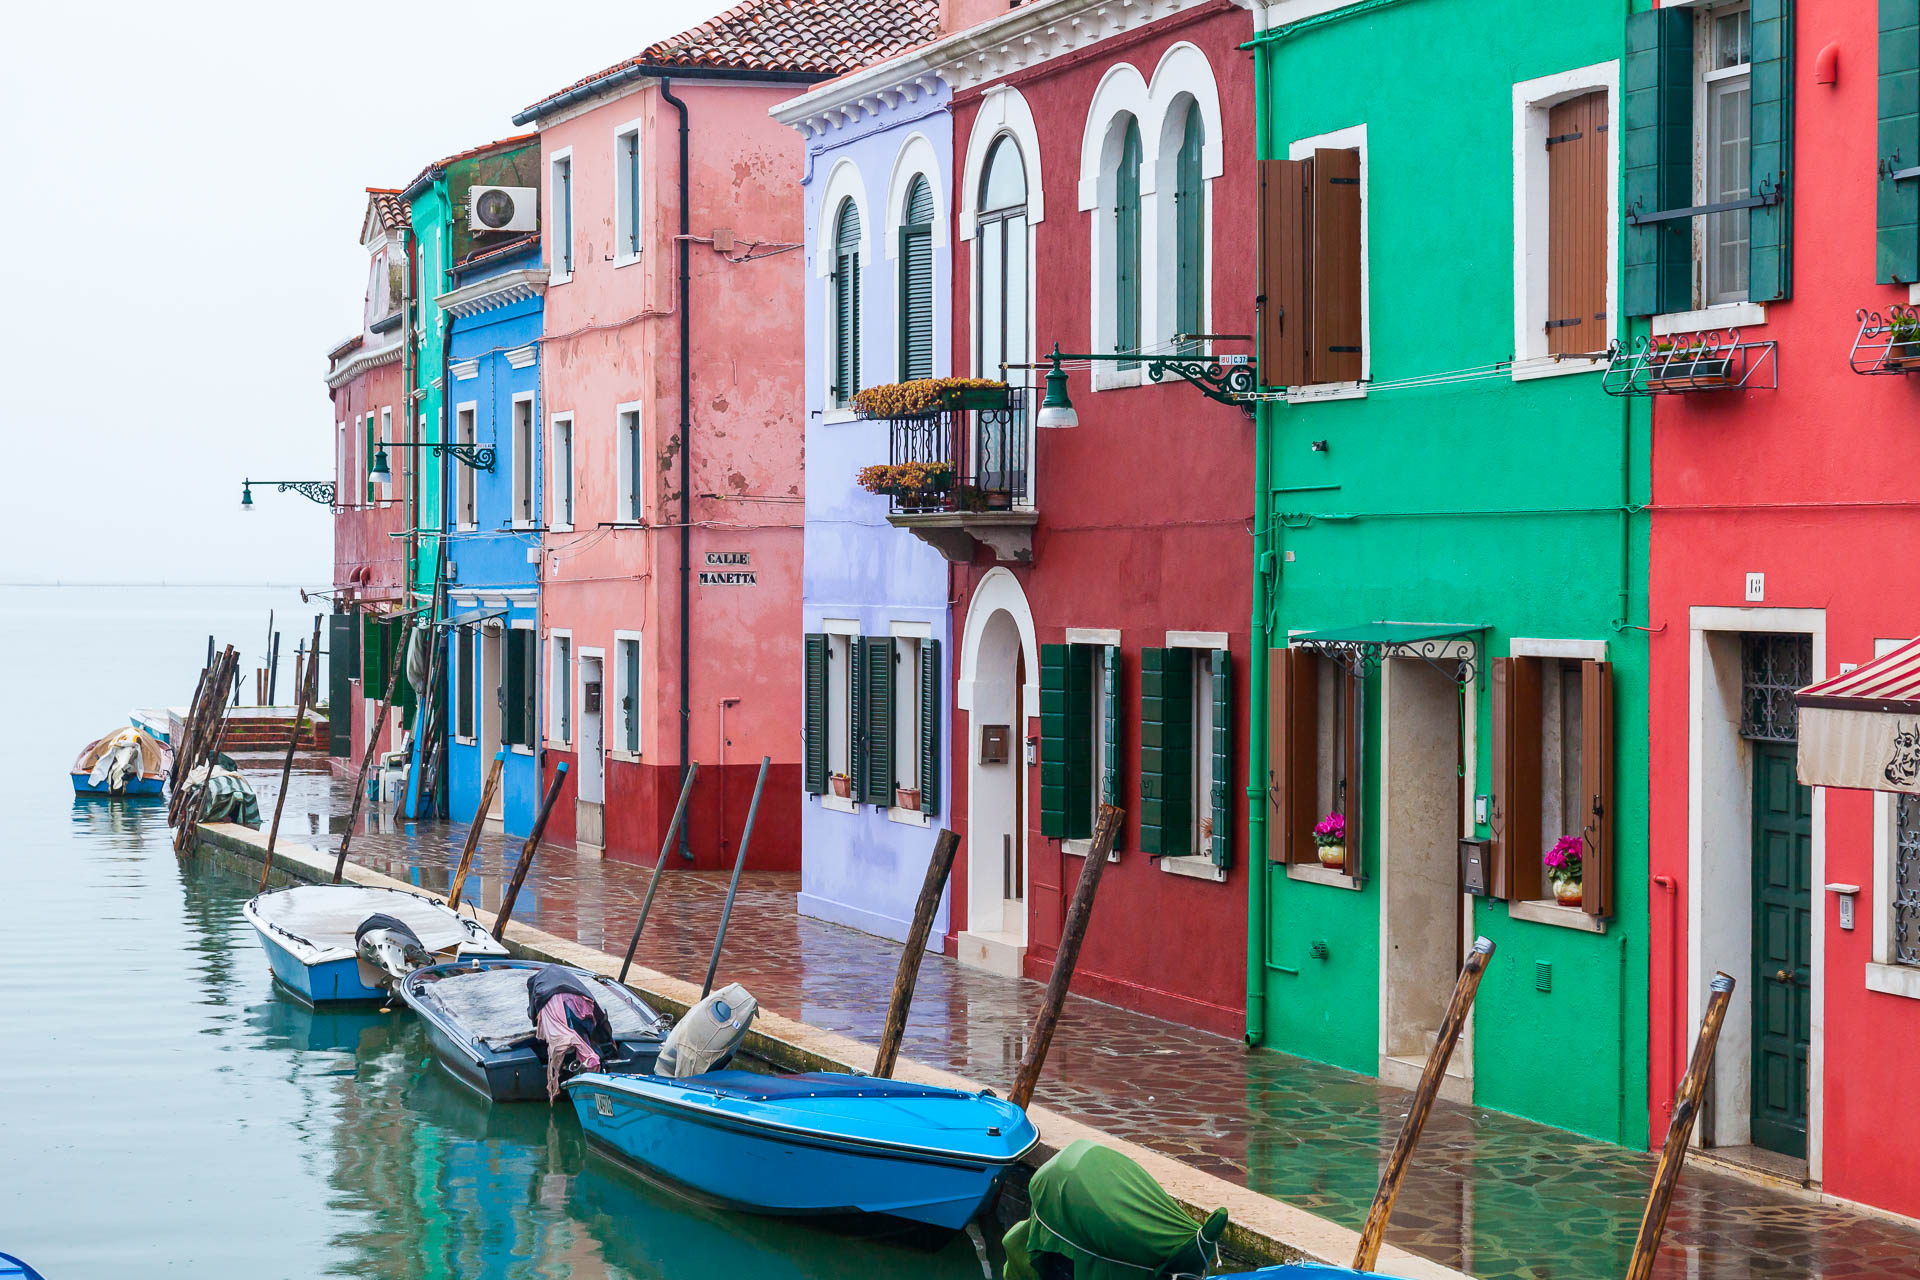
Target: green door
x,y
1782,949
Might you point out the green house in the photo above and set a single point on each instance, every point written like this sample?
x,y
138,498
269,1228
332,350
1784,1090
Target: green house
x,y
1450,556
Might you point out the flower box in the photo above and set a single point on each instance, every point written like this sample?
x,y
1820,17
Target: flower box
x,y
924,396
907,798
842,785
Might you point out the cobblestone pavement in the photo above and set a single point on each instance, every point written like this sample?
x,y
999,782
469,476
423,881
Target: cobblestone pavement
x,y
1489,1194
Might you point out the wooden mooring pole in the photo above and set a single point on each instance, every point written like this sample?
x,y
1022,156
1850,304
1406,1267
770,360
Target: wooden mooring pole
x,y
474,828
373,744
653,881
1686,1109
191,811
527,851
733,886
932,889
1424,1095
302,699
1073,931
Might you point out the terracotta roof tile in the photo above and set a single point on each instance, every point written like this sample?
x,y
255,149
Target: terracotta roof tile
x,y
518,140
395,213
827,37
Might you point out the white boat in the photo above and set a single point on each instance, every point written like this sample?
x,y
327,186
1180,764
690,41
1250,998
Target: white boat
x,y
333,942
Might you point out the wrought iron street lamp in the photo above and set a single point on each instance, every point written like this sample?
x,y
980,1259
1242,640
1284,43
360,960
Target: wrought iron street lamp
x,y
320,491
478,456
1228,379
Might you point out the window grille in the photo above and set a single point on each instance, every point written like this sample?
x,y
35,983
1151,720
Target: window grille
x,y
1906,880
1772,667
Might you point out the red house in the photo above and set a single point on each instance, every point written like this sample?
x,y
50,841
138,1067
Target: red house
x,y
1783,533
1102,170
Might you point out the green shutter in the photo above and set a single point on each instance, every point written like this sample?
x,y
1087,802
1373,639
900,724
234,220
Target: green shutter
x,y
816,714
366,459
857,716
881,654
341,660
1126,246
846,303
1221,778
1110,721
516,732
929,744
1658,160
1189,232
630,705
1166,752
463,725
1066,734
373,655
1896,258
916,283
1770,229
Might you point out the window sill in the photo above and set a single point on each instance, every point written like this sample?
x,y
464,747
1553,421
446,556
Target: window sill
x,y
552,281
560,528
908,817
842,804
1550,912
1560,369
1319,391
1314,873
834,417
624,757
459,741
520,751
1198,868
1081,848
1726,315
466,528
1113,377
1894,980
559,744
627,260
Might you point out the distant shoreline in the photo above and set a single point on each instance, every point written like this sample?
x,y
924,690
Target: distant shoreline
x,y
168,582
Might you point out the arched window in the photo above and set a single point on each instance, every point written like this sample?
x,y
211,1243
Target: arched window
x,y
1190,240
916,282
1000,243
1126,244
846,303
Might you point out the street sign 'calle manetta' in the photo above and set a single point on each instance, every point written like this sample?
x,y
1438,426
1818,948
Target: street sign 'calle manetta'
x,y
728,569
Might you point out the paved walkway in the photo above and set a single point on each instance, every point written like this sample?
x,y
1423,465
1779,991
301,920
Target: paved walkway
x,y
1488,1194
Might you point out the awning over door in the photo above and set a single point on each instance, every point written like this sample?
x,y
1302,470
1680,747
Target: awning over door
x,y
1861,729
1452,647
473,617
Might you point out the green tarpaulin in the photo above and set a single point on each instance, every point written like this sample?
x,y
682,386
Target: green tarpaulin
x,y
1096,1215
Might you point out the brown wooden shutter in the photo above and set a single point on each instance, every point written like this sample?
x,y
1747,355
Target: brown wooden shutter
x,y
1283,272
1577,224
1335,287
1596,786
1292,770
1351,801
1516,779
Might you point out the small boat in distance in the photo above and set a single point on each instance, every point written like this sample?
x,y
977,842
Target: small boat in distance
x,y
329,942
480,1022
156,722
125,762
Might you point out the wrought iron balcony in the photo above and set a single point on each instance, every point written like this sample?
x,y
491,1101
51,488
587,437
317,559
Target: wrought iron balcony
x,y
958,476
1678,364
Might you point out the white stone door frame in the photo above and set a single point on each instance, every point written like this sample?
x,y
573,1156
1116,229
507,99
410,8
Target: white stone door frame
x,y
1722,938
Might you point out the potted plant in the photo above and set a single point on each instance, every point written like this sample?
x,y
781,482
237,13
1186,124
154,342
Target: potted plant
x,y
1903,341
911,484
922,396
1330,838
907,797
1564,870
842,785
1685,364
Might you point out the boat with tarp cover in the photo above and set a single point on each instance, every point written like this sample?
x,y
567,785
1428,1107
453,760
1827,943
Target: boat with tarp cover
x,y
329,942
1095,1214
125,762
483,1022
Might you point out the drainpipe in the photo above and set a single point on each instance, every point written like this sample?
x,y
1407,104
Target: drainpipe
x,y
683,247
1263,582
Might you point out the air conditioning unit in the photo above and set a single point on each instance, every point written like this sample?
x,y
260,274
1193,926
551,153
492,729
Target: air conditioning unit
x,y
503,209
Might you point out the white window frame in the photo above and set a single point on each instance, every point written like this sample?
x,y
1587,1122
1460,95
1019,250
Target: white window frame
x,y
468,670
908,714
629,214
840,633
506,657
1882,973
1121,96
524,457
466,488
627,510
343,462
1098,639
1532,242
1705,82
1160,214
844,182
1199,866
560,472
1546,910
386,438
563,233
560,664
1354,136
632,722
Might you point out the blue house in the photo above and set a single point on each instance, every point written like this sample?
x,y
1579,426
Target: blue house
x,y
493,523
878,184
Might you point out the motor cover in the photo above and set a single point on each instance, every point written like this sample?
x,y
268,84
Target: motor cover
x,y
710,1033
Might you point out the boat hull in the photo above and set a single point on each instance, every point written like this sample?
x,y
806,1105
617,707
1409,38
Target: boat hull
x,y
736,1163
134,787
329,982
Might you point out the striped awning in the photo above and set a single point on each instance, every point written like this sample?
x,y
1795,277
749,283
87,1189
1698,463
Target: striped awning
x,y
1861,728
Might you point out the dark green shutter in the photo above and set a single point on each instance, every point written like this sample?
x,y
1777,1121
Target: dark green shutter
x,y
1166,752
1110,723
857,716
881,655
1066,733
463,725
816,714
1896,258
342,656
1221,775
916,284
846,303
366,462
630,705
929,744
373,655
516,732
1126,245
1770,230
529,686
1658,160
1189,231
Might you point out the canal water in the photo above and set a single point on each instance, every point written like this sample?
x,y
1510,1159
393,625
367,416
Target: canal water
x,y
164,1110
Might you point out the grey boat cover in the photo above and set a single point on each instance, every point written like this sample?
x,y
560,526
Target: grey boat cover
x,y
330,915
491,1004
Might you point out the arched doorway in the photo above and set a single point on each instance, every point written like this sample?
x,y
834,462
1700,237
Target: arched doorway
x,y
998,662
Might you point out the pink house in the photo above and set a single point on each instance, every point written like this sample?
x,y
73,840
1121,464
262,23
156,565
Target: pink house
x,y
672,392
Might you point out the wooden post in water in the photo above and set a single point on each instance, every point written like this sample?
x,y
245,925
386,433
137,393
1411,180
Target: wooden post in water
x,y
1673,1154
183,837
939,867
1073,931
1424,1095
733,886
653,881
479,821
426,731
178,770
527,851
373,742
300,702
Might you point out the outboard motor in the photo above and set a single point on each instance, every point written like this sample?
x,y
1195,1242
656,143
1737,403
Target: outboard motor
x,y
710,1033
390,947
570,1029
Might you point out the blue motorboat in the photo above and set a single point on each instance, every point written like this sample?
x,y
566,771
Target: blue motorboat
x,y
816,1144
125,762
479,1021
321,948
12,1268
